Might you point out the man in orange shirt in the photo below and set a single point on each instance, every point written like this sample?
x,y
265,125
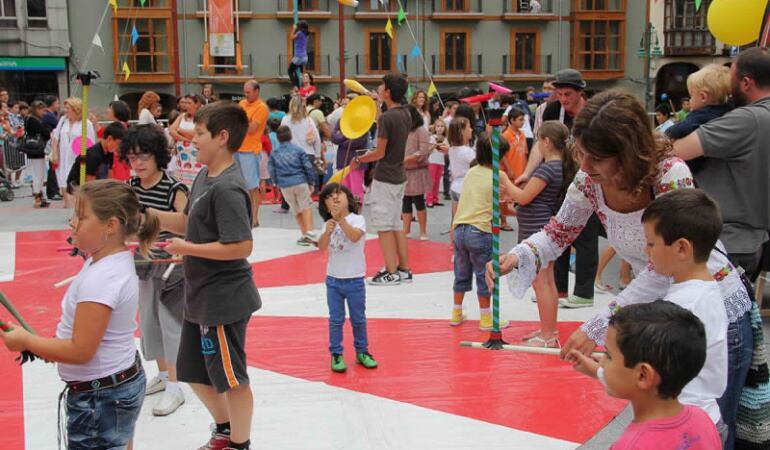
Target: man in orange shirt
x,y
250,154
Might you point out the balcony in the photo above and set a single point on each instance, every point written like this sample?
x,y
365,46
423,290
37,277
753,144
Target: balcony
x,y
457,69
308,9
319,66
244,8
224,69
536,66
358,68
366,12
457,9
695,42
528,10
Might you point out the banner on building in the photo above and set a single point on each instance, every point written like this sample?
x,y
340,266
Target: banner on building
x,y
221,28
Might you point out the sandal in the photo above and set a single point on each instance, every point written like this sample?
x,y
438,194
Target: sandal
x,y
604,288
537,341
536,334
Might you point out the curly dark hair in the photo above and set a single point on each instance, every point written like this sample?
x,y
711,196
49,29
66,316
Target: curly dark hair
x,y
146,139
327,192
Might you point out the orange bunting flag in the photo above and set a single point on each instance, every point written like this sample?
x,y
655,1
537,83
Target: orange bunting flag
x,y
389,28
432,90
126,71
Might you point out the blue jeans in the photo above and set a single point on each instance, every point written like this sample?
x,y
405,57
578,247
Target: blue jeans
x,y
740,349
105,419
473,250
337,291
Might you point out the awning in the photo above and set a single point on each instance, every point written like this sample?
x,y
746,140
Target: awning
x,y
32,64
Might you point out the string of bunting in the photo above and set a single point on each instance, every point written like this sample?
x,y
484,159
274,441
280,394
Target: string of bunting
x,y
415,53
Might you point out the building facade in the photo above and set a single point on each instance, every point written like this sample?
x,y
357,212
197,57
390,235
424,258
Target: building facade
x,y
686,45
462,43
34,47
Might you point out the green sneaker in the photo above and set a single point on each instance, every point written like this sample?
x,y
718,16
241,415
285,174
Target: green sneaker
x,y
366,360
338,363
573,301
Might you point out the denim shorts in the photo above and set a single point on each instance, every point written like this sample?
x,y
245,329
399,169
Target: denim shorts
x,y
105,418
248,162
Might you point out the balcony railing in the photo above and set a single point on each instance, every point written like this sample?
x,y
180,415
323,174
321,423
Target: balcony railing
x,y
365,6
471,65
359,67
527,7
319,66
454,9
689,43
533,65
226,68
308,9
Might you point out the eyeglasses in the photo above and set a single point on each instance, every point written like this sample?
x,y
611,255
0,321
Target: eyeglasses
x,y
140,156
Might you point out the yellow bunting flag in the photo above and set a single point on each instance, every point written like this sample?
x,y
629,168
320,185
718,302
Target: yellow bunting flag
x,y
389,28
114,4
432,90
126,71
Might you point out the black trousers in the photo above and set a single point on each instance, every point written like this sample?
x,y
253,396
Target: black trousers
x,y
295,76
586,260
51,185
750,262
445,178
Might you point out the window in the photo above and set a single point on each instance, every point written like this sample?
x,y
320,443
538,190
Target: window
x,y
305,5
686,32
36,16
380,53
455,5
599,45
313,49
150,54
391,6
525,46
147,3
601,5
8,13
456,49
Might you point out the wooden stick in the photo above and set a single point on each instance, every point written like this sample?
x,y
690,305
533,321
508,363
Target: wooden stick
x,y
11,309
523,349
167,273
131,245
64,282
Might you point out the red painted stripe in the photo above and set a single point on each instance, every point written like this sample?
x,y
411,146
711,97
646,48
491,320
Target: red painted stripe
x,y
421,363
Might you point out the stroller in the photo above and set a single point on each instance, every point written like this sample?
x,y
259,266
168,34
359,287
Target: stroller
x,y
12,161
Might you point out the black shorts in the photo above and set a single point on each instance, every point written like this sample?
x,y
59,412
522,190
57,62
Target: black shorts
x,y
214,356
417,200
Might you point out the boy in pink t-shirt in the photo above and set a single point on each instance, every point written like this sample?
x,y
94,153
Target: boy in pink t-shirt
x,y
653,351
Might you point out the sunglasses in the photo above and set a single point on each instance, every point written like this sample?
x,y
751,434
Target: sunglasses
x,y
144,157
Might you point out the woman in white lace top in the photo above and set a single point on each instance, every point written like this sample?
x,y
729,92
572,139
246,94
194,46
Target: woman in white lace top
x,y
623,167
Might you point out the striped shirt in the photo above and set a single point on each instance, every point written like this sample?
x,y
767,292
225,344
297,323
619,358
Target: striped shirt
x,y
534,216
160,197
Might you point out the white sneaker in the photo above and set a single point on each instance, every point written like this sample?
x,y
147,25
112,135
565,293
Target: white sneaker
x,y
168,403
155,385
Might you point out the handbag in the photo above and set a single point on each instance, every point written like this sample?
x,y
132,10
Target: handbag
x,y
33,147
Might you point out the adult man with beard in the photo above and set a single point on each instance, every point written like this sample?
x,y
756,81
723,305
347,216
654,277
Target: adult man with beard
x,y
737,169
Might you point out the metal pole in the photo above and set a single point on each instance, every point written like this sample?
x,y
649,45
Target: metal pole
x,y
647,79
85,80
342,48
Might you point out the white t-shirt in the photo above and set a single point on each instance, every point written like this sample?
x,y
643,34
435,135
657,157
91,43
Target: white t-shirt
x,y
527,128
704,299
459,163
146,117
346,258
436,157
111,281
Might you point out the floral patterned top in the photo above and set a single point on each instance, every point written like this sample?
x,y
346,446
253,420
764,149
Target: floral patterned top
x,y
626,235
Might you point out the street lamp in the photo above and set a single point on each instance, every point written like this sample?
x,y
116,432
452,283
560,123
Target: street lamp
x,y
649,47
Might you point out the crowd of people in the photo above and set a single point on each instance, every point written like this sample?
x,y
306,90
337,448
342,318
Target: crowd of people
x,y
573,167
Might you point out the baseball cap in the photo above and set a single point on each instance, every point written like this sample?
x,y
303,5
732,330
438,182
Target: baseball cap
x,y
569,78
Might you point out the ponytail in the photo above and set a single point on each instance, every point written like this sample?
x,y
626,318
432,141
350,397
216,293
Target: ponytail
x,y
148,231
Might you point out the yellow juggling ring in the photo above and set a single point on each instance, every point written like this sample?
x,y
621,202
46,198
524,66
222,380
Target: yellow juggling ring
x,y
358,117
355,86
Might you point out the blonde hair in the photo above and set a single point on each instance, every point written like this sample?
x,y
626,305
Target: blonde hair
x,y
714,79
74,104
111,198
297,109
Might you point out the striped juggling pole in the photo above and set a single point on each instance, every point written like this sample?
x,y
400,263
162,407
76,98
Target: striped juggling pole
x,y
495,341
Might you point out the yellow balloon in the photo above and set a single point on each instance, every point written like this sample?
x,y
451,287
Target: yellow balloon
x,y
353,3
736,22
358,117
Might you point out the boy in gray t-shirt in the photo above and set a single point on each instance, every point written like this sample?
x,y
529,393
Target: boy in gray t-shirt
x,y
219,287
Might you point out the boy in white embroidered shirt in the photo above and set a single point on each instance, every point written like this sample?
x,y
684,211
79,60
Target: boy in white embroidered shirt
x,y
681,228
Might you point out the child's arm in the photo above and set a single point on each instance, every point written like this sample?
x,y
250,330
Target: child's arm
x,y
211,250
353,233
585,364
91,320
522,196
323,241
175,222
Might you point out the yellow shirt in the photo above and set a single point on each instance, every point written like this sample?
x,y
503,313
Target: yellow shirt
x,y
475,206
256,112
